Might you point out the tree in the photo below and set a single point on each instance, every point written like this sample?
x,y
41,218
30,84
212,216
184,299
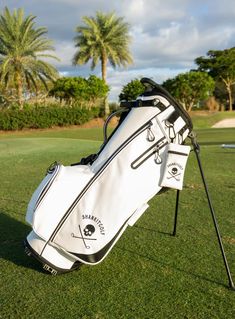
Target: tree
x,y
96,88
80,89
131,90
190,88
22,46
220,64
103,38
69,88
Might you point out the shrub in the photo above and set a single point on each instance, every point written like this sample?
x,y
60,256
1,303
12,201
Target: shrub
x,y
131,90
86,91
45,117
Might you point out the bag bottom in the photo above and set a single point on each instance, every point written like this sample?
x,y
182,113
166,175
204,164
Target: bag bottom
x,y
49,265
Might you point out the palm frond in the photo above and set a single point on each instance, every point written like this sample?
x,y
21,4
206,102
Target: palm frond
x,y
22,48
104,35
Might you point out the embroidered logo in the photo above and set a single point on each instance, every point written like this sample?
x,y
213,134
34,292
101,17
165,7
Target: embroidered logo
x,y
85,235
95,220
93,227
89,230
174,171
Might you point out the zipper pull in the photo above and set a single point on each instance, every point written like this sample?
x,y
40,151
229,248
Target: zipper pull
x,y
157,157
171,130
150,135
52,167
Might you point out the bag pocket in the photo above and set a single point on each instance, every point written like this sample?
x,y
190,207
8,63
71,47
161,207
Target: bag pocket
x,y
41,190
152,150
176,159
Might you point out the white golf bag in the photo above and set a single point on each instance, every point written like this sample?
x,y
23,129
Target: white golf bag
x,y
79,212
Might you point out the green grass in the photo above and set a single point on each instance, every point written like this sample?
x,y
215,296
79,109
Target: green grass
x,y
149,273
215,136
74,132
208,119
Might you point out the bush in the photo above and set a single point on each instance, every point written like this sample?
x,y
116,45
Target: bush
x,y
45,117
87,91
131,90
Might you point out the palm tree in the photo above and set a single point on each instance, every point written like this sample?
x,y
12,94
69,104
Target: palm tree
x,y
103,38
21,48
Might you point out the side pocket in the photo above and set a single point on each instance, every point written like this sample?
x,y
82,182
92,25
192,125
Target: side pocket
x,y
41,191
176,159
152,150
52,174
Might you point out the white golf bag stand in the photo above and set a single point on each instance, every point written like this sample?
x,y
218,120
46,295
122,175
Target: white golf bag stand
x,y
78,212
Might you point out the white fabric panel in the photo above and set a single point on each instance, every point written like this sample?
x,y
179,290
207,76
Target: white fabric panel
x,y
45,183
54,256
134,120
67,185
177,156
57,257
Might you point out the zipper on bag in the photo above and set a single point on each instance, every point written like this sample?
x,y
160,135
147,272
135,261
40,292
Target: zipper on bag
x,y
53,170
153,150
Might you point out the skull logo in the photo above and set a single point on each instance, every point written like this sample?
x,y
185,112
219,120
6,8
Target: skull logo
x,y
89,230
174,170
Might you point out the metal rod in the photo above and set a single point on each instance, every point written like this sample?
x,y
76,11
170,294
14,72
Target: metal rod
x,y
228,145
197,151
176,211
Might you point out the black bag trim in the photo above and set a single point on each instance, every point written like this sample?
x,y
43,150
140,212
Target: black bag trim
x,y
139,103
156,147
54,270
46,187
177,153
156,89
96,257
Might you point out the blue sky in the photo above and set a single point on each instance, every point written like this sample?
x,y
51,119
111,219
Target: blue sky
x,y
166,35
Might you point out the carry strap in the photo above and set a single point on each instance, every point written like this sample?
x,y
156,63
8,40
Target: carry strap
x,y
105,128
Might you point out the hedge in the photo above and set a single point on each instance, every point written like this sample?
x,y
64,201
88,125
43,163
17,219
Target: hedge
x,y
44,117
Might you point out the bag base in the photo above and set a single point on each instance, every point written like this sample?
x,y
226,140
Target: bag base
x,y
51,265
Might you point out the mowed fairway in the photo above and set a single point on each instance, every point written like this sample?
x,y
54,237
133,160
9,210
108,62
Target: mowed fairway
x,y
149,273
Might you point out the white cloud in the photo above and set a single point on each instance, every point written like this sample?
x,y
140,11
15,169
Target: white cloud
x,y
118,79
65,51
167,35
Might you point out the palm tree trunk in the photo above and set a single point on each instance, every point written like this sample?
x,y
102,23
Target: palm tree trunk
x,y
104,75
104,65
19,88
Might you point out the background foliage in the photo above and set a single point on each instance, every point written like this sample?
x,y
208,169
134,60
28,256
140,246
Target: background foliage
x,y
220,64
45,117
77,89
191,88
131,90
23,48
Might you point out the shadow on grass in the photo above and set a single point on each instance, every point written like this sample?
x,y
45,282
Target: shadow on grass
x,y
191,274
145,256
153,230
12,235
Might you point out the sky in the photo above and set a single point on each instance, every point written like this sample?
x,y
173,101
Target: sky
x,y
167,35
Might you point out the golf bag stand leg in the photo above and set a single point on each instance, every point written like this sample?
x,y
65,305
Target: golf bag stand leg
x,y
176,211
196,149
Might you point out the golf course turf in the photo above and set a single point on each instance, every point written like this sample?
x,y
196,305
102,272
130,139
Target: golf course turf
x,y
149,273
